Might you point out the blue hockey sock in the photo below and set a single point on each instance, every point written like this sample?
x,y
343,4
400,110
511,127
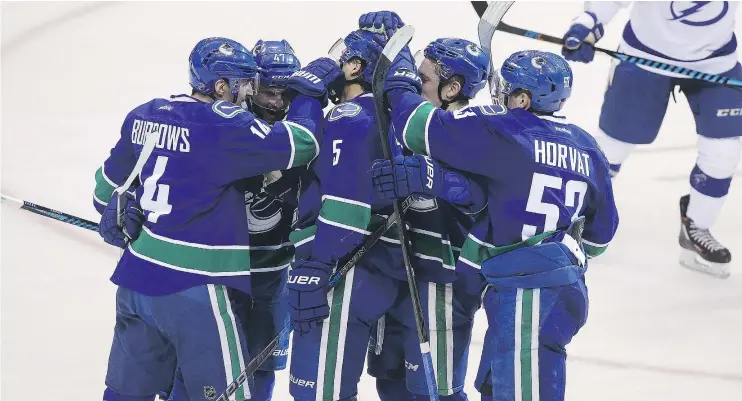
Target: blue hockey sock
x,y
394,390
264,382
707,185
111,395
486,398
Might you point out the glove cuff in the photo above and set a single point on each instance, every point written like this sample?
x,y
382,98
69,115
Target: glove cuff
x,y
589,20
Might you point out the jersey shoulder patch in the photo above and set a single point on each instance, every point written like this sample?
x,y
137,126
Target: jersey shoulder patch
x,y
348,109
227,109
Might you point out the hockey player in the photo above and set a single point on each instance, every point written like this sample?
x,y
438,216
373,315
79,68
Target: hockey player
x,y
337,210
270,210
176,279
452,71
695,35
540,173
270,205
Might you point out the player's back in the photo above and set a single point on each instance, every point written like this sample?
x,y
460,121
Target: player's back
x,y
196,230
547,173
336,204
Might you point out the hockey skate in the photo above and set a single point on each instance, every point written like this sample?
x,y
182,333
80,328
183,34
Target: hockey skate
x,y
701,251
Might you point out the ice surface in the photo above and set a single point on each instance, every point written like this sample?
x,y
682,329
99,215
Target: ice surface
x,y
71,71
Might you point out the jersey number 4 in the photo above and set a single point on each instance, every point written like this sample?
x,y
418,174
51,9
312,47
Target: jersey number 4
x,y
160,206
550,211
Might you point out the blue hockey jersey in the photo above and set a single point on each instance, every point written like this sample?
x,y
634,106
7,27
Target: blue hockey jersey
x,y
196,229
540,172
337,208
270,221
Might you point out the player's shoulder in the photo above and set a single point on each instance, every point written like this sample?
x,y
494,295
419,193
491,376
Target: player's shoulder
x,y
354,116
495,118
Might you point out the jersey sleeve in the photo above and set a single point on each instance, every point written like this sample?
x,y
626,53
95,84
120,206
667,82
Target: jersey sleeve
x,y
462,139
346,188
605,10
601,217
253,147
115,169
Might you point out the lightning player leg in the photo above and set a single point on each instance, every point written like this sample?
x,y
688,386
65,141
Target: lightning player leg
x,y
633,108
718,114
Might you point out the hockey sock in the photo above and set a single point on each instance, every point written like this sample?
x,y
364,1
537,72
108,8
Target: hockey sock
x,y
615,151
711,178
264,382
393,390
111,395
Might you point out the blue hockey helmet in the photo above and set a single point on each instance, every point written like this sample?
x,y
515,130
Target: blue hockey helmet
x,y
361,44
546,77
276,62
460,57
220,58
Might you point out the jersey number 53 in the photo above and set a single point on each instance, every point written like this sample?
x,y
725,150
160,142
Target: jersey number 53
x,y
551,211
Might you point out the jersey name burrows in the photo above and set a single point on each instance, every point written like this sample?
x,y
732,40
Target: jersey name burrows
x,y
172,137
562,156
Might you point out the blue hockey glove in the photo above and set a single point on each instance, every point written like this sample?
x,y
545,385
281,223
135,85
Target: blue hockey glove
x,y
408,175
307,286
131,218
314,79
382,22
581,36
403,74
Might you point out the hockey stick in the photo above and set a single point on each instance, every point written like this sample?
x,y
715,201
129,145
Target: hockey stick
x,y
261,357
488,21
480,6
54,214
395,45
403,35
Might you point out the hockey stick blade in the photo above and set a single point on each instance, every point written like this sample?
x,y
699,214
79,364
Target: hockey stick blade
x,y
489,19
692,74
393,47
258,360
53,214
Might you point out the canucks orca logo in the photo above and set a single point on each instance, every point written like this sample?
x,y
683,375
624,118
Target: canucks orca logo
x,y
344,110
698,13
263,212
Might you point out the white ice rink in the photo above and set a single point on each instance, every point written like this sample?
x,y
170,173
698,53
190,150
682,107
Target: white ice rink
x,y
71,72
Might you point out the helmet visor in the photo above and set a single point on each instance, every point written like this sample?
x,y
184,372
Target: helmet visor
x,y
336,50
242,88
500,89
419,58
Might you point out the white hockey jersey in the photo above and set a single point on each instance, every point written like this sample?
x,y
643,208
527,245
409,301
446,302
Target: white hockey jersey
x,y
693,34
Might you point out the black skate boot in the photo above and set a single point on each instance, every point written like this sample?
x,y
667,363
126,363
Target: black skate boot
x,y
701,251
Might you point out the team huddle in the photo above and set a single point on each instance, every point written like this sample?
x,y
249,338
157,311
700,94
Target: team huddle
x,y
246,198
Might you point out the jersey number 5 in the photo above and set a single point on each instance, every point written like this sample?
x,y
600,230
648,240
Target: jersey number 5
x,y
156,207
550,211
336,151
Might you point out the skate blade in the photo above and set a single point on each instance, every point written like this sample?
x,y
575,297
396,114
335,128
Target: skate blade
x,y
691,260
